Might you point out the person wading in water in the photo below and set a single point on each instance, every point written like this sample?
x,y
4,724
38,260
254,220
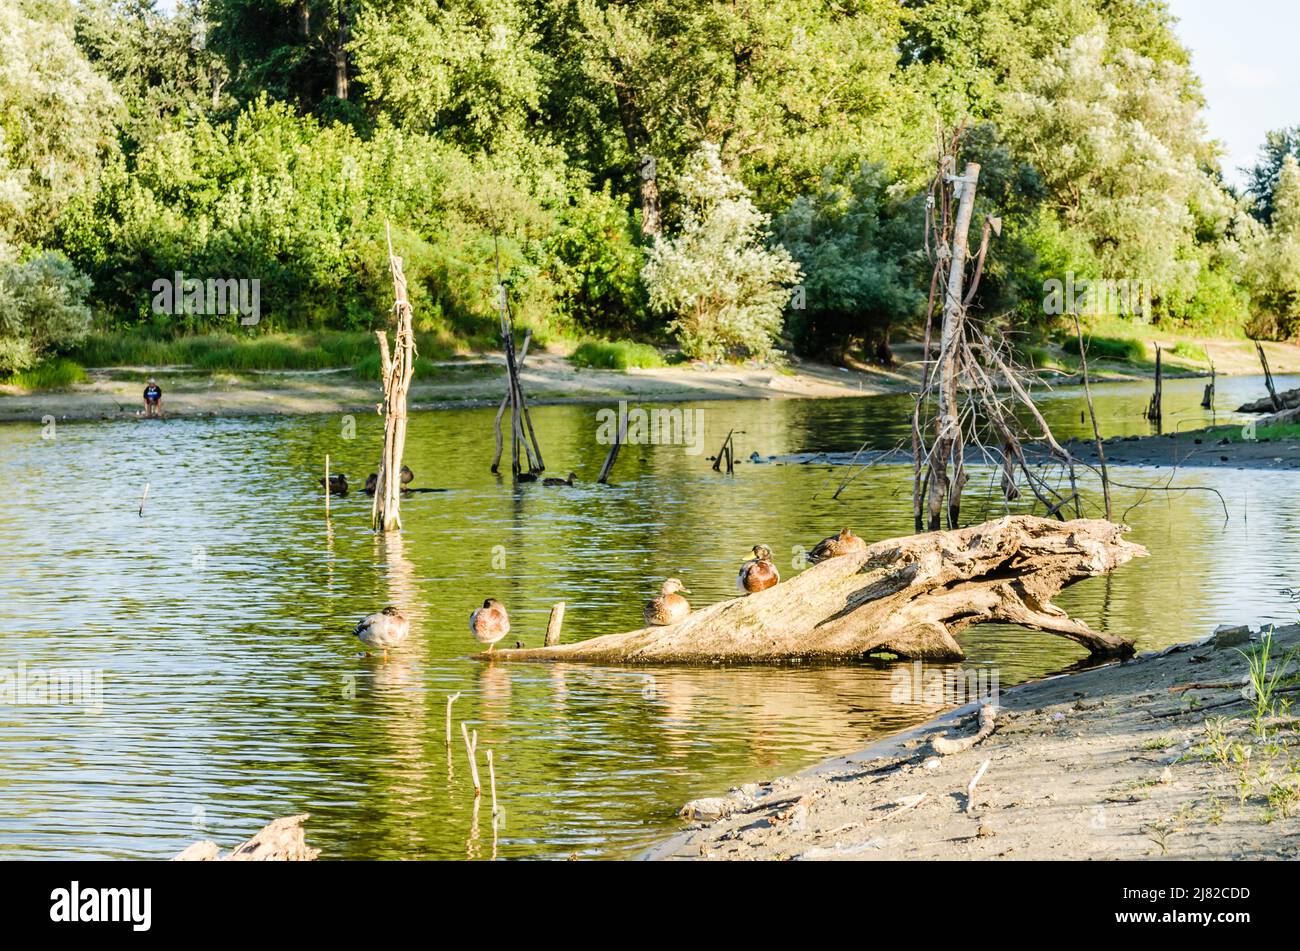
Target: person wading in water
x,y
153,399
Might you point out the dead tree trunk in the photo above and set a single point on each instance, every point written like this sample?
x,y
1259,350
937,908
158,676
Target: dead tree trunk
x,y
1268,378
909,597
948,445
1155,411
397,368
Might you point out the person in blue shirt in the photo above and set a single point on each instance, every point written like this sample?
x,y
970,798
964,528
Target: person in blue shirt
x,y
153,399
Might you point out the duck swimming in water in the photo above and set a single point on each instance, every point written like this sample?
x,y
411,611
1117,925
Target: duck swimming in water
x,y
338,483
669,608
845,543
372,480
758,574
489,623
381,631
569,481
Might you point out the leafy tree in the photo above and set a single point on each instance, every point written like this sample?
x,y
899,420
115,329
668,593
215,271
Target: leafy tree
x,y
1274,267
856,287
56,118
719,280
42,309
1262,177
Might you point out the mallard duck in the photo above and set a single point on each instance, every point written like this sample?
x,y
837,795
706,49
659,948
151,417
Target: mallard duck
x,y
381,631
670,607
569,481
407,475
758,573
372,481
489,623
845,543
338,483
526,477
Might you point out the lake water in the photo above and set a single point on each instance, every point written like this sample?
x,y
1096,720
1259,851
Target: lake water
x,y
234,693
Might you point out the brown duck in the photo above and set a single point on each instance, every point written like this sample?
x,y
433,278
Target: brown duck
x,y
758,574
489,623
845,543
669,608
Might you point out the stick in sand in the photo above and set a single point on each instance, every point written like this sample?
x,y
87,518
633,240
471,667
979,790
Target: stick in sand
x,y
450,700
970,787
470,746
144,498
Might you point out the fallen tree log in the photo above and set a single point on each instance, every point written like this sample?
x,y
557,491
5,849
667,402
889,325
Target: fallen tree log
x,y
280,841
1290,399
908,596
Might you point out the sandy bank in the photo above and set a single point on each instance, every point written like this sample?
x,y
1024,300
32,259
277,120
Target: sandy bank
x,y
548,378
1108,763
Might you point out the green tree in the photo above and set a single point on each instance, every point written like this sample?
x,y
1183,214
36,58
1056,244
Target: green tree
x,y
42,309
855,286
719,280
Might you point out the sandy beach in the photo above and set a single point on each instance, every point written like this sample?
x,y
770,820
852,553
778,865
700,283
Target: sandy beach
x,y
1155,757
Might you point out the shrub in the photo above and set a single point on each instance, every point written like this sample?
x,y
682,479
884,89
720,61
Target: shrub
x,y
1122,349
719,280
617,355
42,309
47,375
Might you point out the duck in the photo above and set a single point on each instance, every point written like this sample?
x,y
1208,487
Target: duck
x,y
372,480
554,481
845,543
758,574
388,628
669,608
489,623
338,483
526,477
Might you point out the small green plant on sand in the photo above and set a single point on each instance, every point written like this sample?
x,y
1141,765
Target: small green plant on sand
x,y
1265,677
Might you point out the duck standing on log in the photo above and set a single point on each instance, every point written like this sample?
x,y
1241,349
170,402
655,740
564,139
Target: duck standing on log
x,y
758,574
845,543
669,607
489,623
381,631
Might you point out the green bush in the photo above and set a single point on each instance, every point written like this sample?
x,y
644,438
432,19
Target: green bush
x,y
42,309
615,355
1121,349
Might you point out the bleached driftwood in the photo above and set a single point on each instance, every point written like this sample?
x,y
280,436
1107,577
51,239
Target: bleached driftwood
x,y
946,747
907,596
281,841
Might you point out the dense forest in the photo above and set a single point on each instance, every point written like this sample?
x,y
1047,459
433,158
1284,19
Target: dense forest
x,y
730,175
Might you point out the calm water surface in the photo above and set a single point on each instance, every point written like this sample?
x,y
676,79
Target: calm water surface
x,y
233,692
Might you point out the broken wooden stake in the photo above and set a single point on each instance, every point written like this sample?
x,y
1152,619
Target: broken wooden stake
x,y
619,436
1155,410
1268,377
554,624
450,700
145,496
471,745
327,485
1207,401
492,781
397,370
974,781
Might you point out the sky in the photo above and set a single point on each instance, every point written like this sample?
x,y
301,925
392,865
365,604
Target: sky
x,y
1245,53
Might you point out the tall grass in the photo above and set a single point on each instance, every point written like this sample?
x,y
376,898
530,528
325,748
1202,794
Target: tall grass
x,y
1122,349
615,355
48,375
301,351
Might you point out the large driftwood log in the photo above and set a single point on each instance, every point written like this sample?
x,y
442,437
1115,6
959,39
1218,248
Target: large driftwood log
x,y
281,841
906,596
1290,399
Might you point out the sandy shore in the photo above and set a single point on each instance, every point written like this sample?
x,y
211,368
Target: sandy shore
x,y
1109,763
548,378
